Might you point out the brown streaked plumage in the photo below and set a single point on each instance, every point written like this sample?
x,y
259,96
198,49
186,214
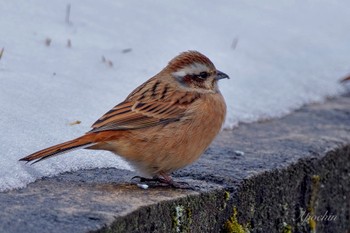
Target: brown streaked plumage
x,y
164,124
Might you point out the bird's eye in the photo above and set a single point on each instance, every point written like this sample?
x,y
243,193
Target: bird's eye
x,y
203,75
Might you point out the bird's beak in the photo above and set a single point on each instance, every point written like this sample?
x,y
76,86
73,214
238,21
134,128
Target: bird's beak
x,y
221,75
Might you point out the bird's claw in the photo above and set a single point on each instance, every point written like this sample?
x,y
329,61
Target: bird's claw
x,y
159,181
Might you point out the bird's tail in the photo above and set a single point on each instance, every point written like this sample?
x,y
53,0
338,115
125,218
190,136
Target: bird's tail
x,y
78,143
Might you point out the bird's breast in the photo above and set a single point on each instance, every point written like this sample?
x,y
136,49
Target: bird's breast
x,y
174,145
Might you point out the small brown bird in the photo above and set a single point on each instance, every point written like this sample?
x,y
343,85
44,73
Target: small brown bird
x,y
163,125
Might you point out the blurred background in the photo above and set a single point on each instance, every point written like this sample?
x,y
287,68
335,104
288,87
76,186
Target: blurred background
x,y
64,64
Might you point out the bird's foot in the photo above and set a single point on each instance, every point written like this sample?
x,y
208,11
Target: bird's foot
x,y
145,179
163,181
180,185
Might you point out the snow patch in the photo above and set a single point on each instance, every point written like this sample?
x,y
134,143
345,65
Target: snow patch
x,y
279,56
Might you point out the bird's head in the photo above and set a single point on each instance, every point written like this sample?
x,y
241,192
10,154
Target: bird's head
x,y
193,70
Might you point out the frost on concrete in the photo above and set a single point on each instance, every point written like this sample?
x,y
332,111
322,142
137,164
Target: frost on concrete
x,y
54,72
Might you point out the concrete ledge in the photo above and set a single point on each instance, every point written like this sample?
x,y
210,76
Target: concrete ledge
x,y
293,171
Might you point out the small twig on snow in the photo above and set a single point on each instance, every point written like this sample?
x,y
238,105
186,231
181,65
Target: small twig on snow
x,y
48,41
69,43
234,43
2,52
68,14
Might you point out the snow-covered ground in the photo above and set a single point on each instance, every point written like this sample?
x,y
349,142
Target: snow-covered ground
x,y
279,54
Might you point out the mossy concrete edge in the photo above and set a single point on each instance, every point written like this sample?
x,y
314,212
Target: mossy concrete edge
x,y
283,200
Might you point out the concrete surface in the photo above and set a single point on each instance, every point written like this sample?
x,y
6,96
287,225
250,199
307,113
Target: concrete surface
x,y
262,177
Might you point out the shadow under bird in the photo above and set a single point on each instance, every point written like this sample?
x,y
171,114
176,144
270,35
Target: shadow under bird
x,y
163,125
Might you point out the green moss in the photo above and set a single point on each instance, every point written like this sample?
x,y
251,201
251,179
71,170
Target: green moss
x,y
182,219
227,195
315,187
189,213
232,225
312,224
316,178
177,218
287,228
189,216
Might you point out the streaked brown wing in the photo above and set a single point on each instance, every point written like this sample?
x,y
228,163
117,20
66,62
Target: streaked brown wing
x,y
151,104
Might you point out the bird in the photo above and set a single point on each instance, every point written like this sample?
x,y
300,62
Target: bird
x,y
163,125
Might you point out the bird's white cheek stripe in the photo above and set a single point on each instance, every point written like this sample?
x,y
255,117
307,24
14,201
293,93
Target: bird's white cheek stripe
x,y
179,74
195,68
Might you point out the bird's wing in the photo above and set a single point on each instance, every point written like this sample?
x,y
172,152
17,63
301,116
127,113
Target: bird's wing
x,y
152,103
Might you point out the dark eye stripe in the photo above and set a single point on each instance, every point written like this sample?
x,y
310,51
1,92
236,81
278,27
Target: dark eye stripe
x,y
203,75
